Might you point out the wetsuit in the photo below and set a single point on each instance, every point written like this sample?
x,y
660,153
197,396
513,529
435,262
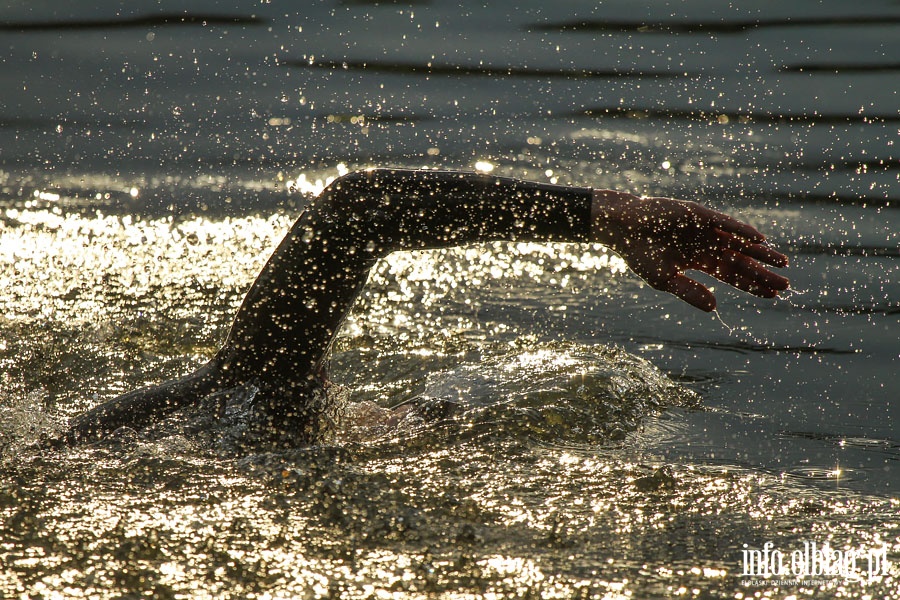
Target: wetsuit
x,y
292,312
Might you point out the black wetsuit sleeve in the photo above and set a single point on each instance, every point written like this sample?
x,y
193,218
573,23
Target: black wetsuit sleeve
x,y
295,307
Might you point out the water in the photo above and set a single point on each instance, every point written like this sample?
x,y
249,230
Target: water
x,y
587,436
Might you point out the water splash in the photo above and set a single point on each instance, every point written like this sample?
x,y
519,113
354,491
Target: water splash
x,y
24,421
745,334
561,394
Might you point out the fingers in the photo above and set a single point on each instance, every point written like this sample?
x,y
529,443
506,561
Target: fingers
x,y
692,292
765,254
745,273
734,226
760,252
740,272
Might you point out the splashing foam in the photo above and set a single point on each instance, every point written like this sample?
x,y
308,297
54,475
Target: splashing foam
x,y
24,421
550,393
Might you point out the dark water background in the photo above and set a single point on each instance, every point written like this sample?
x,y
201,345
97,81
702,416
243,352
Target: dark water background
x,y
613,441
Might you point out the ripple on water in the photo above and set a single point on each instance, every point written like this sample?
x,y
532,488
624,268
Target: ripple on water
x,y
818,474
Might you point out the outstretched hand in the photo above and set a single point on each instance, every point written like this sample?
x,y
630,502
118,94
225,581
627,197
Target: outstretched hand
x,y
660,238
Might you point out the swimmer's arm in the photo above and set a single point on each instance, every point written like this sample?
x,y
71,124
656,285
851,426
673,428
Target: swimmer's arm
x,y
659,238
290,315
295,307
293,310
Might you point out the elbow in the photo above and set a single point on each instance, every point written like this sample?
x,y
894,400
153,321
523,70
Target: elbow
x,y
353,211
355,192
358,195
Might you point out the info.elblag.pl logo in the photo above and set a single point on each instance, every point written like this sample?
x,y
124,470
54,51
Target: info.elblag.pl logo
x,y
815,561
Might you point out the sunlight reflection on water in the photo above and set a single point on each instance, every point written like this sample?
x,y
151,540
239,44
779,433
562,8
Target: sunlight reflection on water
x,y
159,292
149,167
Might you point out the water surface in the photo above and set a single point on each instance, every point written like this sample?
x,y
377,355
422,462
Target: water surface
x,y
579,434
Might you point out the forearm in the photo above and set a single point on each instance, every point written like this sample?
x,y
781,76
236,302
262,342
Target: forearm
x,y
305,290
392,209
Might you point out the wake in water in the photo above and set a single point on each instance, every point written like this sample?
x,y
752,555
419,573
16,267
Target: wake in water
x,y
551,394
556,394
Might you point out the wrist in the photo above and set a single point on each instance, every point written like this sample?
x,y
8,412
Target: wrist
x,y
611,213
